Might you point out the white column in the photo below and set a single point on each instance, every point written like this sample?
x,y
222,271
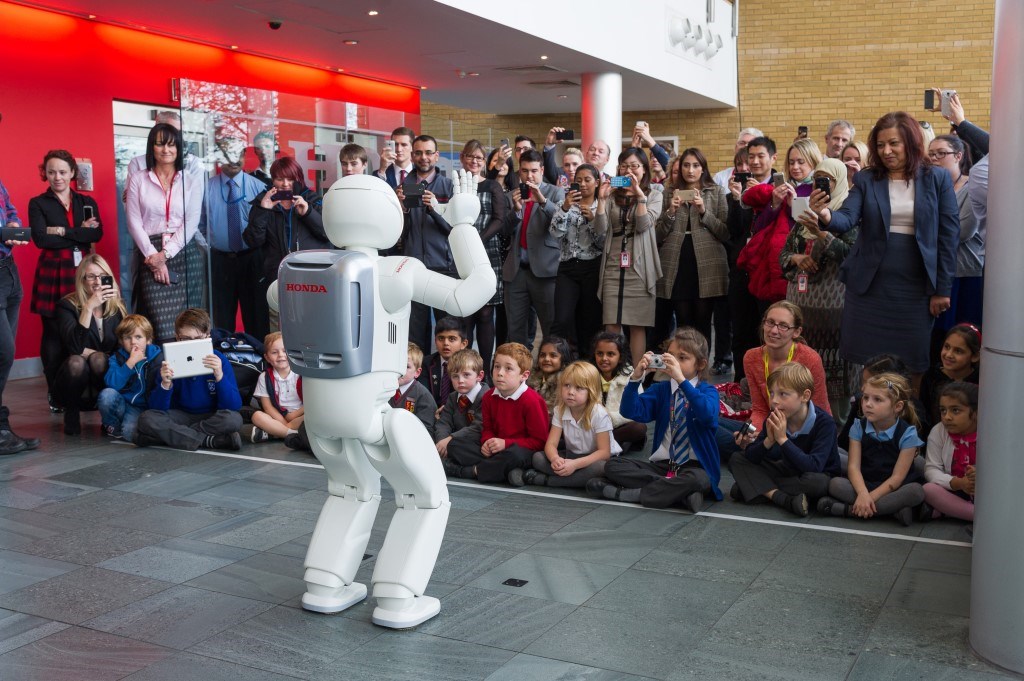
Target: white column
x,y
602,113
997,568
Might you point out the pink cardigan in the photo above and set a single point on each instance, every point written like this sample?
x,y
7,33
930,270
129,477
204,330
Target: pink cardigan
x,y
753,367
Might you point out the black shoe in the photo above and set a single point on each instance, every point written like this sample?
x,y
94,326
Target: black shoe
x,y
451,468
30,442
11,443
695,502
54,407
831,507
515,477
799,505
721,368
925,512
734,492
904,516
595,487
534,477
232,441
143,440
72,422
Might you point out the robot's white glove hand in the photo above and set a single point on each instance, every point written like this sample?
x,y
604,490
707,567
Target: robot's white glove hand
x,y
464,206
272,296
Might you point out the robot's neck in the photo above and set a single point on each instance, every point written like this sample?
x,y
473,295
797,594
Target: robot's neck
x,y
362,249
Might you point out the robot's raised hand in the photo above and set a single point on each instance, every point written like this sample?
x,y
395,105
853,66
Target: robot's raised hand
x,y
464,206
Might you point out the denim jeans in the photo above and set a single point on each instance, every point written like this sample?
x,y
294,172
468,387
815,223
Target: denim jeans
x,y
115,411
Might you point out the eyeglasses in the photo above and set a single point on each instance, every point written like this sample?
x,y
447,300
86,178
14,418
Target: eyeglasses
x,y
781,326
93,277
478,159
940,153
420,152
631,166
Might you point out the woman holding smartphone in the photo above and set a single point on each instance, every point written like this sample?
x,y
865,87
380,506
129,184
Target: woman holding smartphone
x,y
630,266
64,225
692,233
163,209
86,321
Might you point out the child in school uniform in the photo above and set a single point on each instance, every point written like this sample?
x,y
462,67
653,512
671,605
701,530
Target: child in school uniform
x,y
553,356
449,338
279,390
461,416
795,455
685,464
515,423
412,395
881,478
131,375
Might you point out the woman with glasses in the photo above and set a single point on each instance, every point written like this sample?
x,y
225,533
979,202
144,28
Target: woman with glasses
x,y
64,224
899,274
86,321
163,212
490,222
630,266
950,152
692,233
781,331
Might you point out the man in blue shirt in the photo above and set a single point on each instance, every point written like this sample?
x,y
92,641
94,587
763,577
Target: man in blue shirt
x,y
236,271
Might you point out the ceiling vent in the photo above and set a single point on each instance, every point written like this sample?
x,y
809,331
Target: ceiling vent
x,y
552,84
532,68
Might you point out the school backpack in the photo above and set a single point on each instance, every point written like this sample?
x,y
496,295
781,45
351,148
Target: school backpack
x,y
245,353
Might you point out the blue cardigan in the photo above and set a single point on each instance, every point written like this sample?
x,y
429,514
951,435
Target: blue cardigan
x,y
814,452
701,419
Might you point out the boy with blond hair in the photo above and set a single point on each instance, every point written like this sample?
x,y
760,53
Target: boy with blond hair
x,y
515,422
461,416
411,394
130,377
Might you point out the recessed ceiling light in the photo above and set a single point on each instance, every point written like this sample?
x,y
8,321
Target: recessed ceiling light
x,y
472,73
423,87
234,47
341,70
350,42
373,12
563,96
543,56
92,16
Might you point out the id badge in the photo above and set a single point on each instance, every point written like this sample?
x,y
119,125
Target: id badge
x,y
78,256
624,259
670,474
801,283
165,239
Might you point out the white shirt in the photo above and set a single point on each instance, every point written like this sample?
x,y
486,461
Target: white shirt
x,y
579,442
471,395
383,174
901,204
722,178
514,396
287,389
150,213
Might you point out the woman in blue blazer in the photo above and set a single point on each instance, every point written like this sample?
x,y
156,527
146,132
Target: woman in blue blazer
x,y
900,270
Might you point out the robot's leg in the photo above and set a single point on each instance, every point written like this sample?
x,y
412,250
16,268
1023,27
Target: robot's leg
x,y
406,560
343,529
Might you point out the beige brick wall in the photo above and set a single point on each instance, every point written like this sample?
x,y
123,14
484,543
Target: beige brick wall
x,y
878,56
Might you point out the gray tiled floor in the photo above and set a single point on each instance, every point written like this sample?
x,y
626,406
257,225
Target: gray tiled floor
x,y
154,564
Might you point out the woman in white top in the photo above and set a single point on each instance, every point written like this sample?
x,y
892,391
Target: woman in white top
x,y
163,209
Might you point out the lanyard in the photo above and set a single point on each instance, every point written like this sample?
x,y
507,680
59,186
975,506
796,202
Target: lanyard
x,y
224,192
789,358
167,202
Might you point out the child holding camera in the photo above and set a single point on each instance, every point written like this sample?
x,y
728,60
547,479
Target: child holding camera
x,y
685,464
87,320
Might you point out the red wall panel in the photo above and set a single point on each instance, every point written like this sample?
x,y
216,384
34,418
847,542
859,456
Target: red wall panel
x,y
62,75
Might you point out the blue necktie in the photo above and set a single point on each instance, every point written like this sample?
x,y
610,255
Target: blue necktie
x,y
679,448
234,219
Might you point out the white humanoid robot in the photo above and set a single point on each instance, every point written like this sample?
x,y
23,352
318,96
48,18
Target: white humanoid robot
x,y
345,322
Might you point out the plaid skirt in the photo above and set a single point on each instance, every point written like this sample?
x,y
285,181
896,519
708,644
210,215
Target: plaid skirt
x,y
55,278
162,304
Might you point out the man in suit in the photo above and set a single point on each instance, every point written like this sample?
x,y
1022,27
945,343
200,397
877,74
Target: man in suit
x,y
396,165
532,263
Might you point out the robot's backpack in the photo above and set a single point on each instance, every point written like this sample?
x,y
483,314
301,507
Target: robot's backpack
x,y
245,353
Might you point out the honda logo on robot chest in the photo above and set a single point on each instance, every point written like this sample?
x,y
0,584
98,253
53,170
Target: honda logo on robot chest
x,y
305,288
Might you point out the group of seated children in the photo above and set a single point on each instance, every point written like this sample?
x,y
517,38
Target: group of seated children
x,y
512,433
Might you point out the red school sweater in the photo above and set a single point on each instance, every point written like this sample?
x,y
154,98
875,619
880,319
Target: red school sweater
x,y
522,422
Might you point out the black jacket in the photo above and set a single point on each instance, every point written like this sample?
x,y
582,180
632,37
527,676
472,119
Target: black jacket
x,y
278,235
46,210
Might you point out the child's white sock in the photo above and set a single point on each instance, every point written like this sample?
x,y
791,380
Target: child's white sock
x,y
291,432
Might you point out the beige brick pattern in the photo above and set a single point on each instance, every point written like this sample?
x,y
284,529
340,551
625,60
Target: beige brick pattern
x,y
878,56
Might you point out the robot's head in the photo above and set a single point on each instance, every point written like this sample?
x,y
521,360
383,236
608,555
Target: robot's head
x,y
360,210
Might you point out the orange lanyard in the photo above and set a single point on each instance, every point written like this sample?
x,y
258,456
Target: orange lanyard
x,y
789,358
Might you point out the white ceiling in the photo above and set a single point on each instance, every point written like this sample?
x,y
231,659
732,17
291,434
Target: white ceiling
x,y
414,42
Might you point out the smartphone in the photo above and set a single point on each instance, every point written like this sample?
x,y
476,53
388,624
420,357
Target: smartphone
x,y
945,107
801,204
284,195
742,178
565,135
929,100
802,132
390,144
413,194
685,194
88,213
574,187
504,142
657,362
173,276
622,181
823,184
641,124
107,280
14,234
778,179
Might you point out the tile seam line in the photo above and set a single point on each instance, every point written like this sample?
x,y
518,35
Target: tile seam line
x,y
608,502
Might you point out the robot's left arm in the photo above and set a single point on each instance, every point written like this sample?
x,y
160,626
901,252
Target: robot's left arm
x,y
476,283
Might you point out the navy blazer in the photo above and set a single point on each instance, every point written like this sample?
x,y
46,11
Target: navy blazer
x,y
936,226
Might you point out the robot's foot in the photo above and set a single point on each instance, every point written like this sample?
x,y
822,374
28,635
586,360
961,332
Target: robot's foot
x,y
403,613
334,600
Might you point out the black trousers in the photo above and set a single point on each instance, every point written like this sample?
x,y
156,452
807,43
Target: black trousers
x,y
182,430
10,305
494,468
657,491
237,280
723,330
746,320
51,350
755,479
577,308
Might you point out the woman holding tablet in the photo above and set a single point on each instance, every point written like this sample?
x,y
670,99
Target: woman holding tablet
x,y
86,320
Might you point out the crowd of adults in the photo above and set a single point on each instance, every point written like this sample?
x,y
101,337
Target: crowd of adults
x,y
879,246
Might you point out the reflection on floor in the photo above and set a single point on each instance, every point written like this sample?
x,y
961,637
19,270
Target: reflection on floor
x,y
117,562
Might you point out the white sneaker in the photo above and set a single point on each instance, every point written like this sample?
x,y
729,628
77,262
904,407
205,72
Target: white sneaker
x,y
259,435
